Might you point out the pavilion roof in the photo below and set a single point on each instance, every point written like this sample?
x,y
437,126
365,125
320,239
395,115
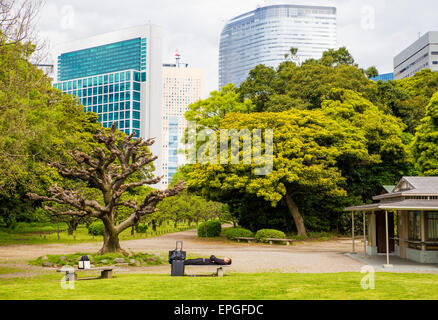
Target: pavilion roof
x,y
407,204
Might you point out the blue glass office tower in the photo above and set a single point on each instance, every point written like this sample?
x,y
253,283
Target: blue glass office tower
x,y
118,76
265,35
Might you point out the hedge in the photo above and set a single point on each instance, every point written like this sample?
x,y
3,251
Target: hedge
x,y
213,229
96,228
263,234
233,233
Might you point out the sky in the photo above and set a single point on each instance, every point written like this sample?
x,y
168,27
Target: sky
x,y
374,31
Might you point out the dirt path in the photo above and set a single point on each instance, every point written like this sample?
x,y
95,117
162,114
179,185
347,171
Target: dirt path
x,y
304,257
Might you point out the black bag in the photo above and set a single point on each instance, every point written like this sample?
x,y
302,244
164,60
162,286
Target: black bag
x,y
177,268
177,254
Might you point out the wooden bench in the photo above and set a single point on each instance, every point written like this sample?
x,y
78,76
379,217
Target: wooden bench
x,y
271,240
249,239
220,270
105,273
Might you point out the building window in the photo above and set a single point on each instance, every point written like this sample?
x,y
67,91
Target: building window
x,y
414,226
431,226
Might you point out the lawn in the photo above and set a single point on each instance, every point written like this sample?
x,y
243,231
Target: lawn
x,y
44,233
276,286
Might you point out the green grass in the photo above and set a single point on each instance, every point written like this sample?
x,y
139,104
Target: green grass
x,y
144,259
341,286
6,270
35,233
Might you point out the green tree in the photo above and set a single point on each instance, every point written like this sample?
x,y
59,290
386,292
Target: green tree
x,y
372,72
337,57
408,98
306,86
307,145
386,143
190,207
209,112
38,124
425,143
109,169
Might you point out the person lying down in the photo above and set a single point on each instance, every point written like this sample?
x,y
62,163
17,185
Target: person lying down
x,y
207,262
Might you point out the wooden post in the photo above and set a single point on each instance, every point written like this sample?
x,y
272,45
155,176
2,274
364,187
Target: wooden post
x,y
364,235
423,231
352,231
387,265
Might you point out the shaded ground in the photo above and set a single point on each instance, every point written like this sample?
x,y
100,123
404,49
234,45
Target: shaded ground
x,y
303,257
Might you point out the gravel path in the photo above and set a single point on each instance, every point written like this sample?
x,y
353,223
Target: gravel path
x,y
303,257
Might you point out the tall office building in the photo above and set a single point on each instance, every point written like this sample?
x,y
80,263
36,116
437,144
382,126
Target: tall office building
x,y
265,35
118,76
422,54
182,86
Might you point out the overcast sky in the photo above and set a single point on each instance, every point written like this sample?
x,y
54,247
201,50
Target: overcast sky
x,y
372,30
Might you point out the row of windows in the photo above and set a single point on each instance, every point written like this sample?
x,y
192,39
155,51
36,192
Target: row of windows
x,y
103,80
113,112
110,98
122,124
101,90
112,107
431,221
102,59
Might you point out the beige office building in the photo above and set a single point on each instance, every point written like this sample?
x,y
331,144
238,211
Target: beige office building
x,y
182,86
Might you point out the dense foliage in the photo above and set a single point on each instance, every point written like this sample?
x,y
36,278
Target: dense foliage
x,y
96,228
264,234
38,124
209,229
233,233
425,144
336,142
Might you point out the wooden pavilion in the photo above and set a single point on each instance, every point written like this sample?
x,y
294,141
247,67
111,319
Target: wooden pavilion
x,y
403,220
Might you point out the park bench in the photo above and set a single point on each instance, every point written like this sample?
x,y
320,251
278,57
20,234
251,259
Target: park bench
x,y
220,270
272,240
249,239
105,273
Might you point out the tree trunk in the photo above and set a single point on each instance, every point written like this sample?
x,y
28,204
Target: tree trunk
x,y
72,226
295,212
111,242
154,225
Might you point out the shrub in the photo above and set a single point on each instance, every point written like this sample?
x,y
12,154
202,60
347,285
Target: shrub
x,y
269,233
96,228
209,229
142,228
232,233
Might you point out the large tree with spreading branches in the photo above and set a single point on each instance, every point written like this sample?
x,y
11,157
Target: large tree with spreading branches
x,y
112,169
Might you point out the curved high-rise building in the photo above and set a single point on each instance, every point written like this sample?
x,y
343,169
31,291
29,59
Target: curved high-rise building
x,y
265,35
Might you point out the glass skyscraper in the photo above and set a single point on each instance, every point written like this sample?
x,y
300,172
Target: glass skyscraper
x,y
265,35
118,76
